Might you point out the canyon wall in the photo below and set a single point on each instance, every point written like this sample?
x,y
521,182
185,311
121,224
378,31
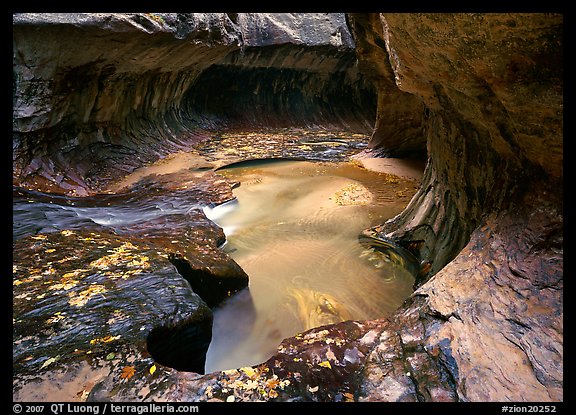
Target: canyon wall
x,y
98,95
479,95
492,88
487,218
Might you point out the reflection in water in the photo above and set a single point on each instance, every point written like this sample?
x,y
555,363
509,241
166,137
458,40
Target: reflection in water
x,y
294,229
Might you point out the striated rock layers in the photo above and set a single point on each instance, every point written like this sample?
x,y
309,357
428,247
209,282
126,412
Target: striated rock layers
x,y
490,320
479,94
97,95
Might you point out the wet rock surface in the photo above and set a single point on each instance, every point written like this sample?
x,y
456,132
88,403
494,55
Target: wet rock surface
x,y
86,304
96,294
159,216
99,95
488,227
484,112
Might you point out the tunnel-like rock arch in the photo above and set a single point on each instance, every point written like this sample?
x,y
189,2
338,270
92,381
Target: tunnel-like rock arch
x,y
479,96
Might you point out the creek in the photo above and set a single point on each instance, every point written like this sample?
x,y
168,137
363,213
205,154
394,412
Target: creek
x,y
293,225
294,228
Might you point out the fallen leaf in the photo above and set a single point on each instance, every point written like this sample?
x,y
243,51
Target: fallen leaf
x,y
230,398
249,371
251,384
49,362
110,356
348,397
83,394
55,318
284,383
272,383
152,369
127,372
325,364
273,394
314,389
81,298
106,339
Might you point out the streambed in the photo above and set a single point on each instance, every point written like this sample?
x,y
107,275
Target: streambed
x,y
294,228
291,222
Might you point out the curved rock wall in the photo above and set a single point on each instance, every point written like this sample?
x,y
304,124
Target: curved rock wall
x,y
97,95
492,88
481,92
274,87
399,124
487,326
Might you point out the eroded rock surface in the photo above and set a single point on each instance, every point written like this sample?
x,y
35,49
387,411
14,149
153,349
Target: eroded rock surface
x,y
492,87
98,95
482,91
91,302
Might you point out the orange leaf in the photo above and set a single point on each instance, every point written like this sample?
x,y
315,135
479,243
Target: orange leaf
x,y
272,383
348,397
127,372
273,394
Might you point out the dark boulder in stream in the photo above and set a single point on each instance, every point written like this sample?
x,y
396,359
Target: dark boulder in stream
x,y
479,96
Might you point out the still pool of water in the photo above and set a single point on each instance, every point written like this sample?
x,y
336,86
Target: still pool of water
x,y
294,229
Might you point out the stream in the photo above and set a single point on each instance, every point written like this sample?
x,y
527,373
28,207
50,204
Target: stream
x,y
294,229
292,225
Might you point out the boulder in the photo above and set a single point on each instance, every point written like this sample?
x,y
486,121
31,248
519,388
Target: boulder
x,y
94,305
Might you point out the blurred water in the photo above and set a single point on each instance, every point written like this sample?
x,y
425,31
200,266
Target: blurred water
x,y
36,212
294,229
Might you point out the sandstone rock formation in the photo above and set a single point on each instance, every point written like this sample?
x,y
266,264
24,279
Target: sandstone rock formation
x,y
97,95
492,87
479,94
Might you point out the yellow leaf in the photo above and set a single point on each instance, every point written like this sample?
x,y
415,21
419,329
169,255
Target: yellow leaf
x,y
284,383
49,361
251,384
106,339
249,371
127,372
81,298
325,364
152,369
48,251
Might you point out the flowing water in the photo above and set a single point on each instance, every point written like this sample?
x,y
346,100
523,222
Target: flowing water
x,y
294,229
